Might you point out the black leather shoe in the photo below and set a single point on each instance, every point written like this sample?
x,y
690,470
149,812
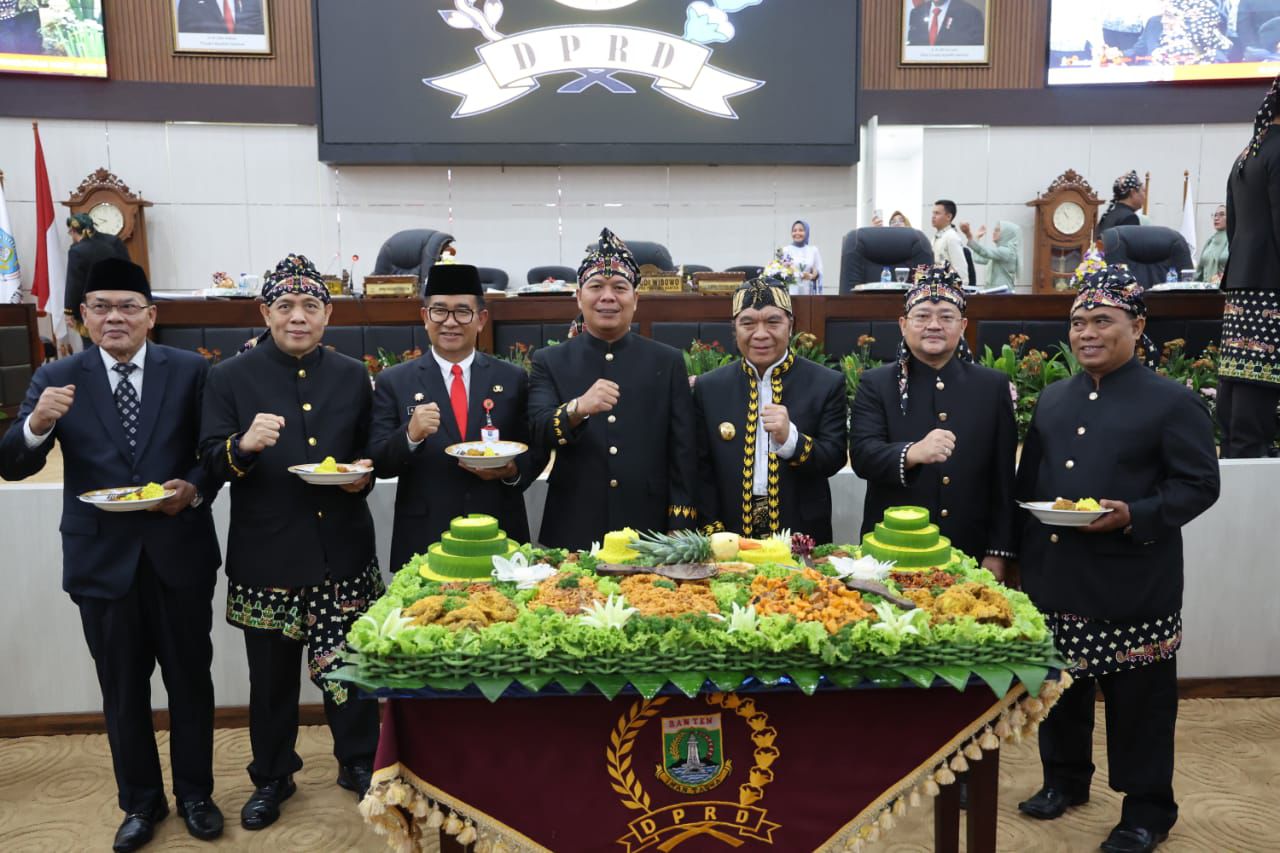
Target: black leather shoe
x,y
263,808
355,777
1050,803
203,817
1132,839
138,828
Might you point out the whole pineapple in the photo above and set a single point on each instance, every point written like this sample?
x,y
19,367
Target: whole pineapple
x,y
665,549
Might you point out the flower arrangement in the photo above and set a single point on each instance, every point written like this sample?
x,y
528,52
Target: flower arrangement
x,y
1029,373
702,358
782,268
375,364
807,345
856,363
1094,261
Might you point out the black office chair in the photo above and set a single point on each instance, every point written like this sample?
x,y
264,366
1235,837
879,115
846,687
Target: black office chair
x,y
1150,251
646,252
973,270
492,277
411,252
748,270
537,275
865,252
690,269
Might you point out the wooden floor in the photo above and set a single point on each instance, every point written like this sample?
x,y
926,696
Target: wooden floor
x,y
57,794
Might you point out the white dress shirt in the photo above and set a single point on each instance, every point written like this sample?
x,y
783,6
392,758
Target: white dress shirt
x,y
135,378
446,373
765,444
948,245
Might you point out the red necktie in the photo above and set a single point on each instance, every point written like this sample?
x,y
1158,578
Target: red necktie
x,y
458,397
227,17
933,26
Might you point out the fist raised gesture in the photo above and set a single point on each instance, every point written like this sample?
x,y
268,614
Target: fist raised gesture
x,y
264,432
55,401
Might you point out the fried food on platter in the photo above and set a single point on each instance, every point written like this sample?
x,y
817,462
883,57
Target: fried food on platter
x,y
567,593
654,595
810,597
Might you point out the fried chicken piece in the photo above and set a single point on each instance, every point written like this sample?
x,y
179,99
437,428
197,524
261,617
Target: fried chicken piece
x,y
467,616
424,611
494,605
973,599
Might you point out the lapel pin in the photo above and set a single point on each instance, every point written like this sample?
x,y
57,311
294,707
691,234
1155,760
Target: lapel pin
x,y
727,432
497,389
419,396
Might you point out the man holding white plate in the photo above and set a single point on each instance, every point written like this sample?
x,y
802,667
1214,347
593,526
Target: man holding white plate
x,y
127,413
301,564
425,407
1111,587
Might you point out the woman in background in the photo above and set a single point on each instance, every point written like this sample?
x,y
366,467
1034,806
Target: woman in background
x,y
806,257
1004,255
1249,373
1213,257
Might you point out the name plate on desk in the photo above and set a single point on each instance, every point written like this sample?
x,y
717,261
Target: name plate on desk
x,y
718,282
661,282
382,286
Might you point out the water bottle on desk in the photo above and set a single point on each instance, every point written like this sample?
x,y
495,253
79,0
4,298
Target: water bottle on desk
x,y
886,275
1171,277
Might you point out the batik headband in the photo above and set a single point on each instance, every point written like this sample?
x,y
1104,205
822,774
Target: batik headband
x,y
611,258
1111,287
935,284
295,274
762,293
1125,184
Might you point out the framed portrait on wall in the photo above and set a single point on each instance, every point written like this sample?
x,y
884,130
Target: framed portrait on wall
x,y
231,27
946,32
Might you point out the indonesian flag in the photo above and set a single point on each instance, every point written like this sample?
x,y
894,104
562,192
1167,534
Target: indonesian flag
x,y
49,283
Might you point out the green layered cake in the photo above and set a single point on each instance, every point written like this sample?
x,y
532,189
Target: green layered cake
x,y
906,537
466,551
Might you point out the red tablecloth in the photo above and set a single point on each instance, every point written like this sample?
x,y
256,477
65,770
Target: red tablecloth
x,y
760,771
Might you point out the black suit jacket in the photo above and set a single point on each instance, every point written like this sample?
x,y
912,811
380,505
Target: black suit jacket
x,y
1121,214
816,402
975,486
634,466
433,488
1145,440
285,532
80,258
1253,220
963,25
205,16
101,550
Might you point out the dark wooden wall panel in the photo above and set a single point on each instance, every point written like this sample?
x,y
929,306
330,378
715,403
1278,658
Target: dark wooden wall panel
x,y
1019,49
140,48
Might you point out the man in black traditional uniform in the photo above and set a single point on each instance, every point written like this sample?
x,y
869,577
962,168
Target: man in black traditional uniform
x,y
1128,195
771,429
445,397
616,409
1112,591
936,430
301,564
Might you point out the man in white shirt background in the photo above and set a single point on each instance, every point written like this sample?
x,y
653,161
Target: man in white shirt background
x,y
948,242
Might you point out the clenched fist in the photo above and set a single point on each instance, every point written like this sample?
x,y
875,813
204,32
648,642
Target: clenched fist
x,y
776,422
55,401
600,397
935,447
264,432
424,422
